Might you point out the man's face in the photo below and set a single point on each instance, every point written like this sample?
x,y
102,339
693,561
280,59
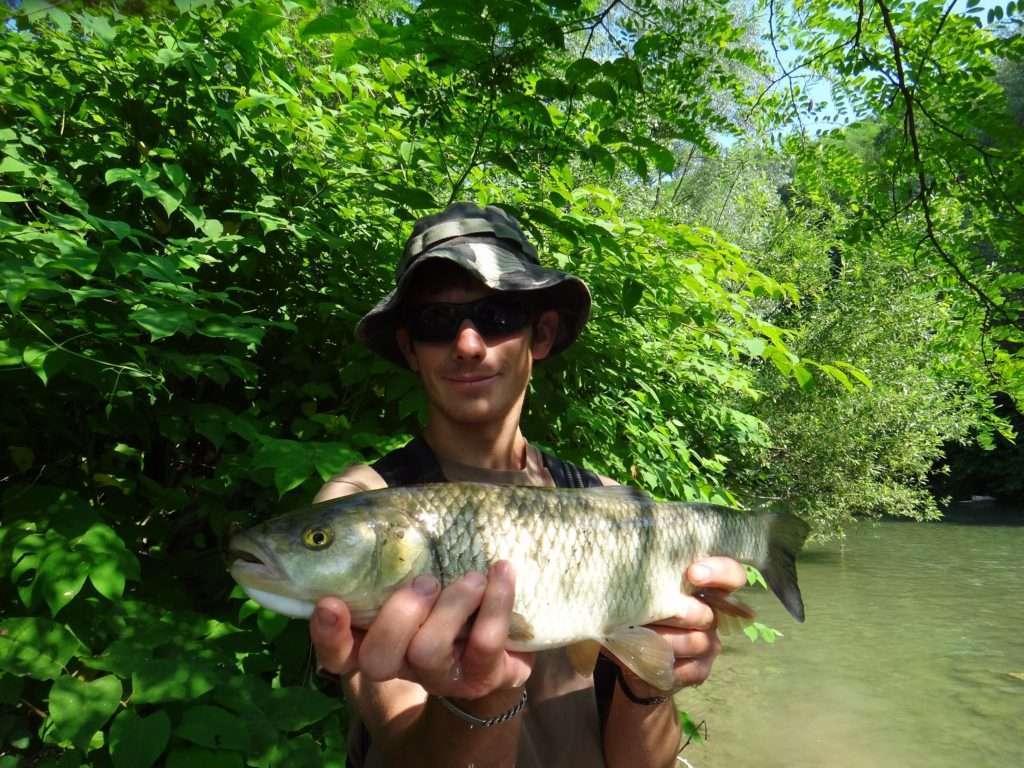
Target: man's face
x,y
472,379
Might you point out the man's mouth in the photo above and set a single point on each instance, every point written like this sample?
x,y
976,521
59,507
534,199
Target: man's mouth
x,y
471,378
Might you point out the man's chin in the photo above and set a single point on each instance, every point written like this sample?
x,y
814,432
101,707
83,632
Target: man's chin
x,y
475,411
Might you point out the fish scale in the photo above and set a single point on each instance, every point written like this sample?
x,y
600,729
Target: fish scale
x,y
585,563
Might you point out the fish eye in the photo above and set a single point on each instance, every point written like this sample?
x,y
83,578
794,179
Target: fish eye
x,y
317,538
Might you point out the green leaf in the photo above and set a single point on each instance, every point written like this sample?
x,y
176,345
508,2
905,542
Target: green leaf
x,y
603,90
78,709
159,680
296,752
664,160
36,647
59,578
803,376
581,70
856,372
34,355
108,579
292,709
691,730
413,197
225,327
338,20
215,727
11,197
162,323
271,624
137,742
14,165
213,229
632,293
10,354
754,577
754,346
331,458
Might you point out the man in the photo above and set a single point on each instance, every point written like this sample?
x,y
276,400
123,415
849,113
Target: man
x,y
471,313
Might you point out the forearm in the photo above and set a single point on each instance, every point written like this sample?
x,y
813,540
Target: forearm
x,y
638,736
409,728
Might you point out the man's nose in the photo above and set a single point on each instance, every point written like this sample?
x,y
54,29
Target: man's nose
x,y
468,341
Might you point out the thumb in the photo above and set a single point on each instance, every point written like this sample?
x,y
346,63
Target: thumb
x,y
330,630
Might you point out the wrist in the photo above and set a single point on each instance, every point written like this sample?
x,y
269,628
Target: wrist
x,y
638,692
490,704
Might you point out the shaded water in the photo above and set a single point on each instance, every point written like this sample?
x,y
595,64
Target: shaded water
x,y
910,658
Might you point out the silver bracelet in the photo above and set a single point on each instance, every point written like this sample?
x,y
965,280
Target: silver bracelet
x,y
479,722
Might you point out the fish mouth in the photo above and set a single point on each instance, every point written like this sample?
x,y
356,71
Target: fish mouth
x,y
260,574
250,562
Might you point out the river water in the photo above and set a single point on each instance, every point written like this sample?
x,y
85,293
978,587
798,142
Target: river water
x,y
912,656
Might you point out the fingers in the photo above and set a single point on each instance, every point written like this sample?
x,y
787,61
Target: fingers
x,y
382,655
431,651
718,573
485,655
690,672
691,613
330,630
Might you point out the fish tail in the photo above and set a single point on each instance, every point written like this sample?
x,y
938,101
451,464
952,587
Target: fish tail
x,y
785,539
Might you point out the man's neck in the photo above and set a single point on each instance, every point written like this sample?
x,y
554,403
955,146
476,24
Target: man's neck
x,y
488,446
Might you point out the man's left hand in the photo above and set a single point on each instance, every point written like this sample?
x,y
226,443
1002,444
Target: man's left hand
x,y
692,632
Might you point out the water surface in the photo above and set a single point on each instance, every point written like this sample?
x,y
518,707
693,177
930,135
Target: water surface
x,y
912,656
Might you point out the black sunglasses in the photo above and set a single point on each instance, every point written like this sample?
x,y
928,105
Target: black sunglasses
x,y
493,316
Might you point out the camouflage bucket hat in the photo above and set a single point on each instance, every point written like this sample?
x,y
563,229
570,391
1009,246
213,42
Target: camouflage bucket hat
x,y
490,245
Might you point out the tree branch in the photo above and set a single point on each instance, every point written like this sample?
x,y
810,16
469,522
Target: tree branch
x,y
923,194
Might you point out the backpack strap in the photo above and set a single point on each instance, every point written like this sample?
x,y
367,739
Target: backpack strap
x,y
412,464
569,475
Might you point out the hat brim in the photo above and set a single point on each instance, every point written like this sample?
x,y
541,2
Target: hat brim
x,y
498,269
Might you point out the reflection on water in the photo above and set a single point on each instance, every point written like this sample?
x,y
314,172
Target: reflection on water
x,y
912,656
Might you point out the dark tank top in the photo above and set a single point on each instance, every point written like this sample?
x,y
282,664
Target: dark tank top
x,y
563,724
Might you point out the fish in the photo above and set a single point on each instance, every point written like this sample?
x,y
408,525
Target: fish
x,y
592,565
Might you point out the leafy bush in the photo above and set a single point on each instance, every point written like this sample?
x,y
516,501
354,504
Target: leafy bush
x,y
195,207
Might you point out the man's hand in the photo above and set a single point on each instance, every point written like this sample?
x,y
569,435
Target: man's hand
x,y
692,633
416,637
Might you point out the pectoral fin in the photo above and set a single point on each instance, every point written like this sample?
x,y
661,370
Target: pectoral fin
x,y
646,653
583,656
725,603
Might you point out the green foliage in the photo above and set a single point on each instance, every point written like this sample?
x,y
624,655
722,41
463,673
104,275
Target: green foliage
x,y
199,199
943,179
197,203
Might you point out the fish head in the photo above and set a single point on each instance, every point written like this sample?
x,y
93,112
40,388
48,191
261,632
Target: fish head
x,y
359,550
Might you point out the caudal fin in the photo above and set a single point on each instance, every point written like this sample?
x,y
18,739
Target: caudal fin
x,y
786,538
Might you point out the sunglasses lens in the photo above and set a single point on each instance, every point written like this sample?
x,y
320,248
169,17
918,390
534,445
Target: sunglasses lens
x,y
435,322
494,316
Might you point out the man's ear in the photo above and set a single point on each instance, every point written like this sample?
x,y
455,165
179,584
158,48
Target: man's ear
x,y
408,350
545,330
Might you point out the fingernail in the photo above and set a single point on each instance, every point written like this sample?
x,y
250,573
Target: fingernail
x,y
475,579
502,570
425,585
700,573
326,618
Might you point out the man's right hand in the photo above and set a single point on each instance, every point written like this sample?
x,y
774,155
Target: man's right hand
x,y
416,637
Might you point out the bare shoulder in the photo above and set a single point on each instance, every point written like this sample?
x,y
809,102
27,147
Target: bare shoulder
x,y
354,479
607,480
